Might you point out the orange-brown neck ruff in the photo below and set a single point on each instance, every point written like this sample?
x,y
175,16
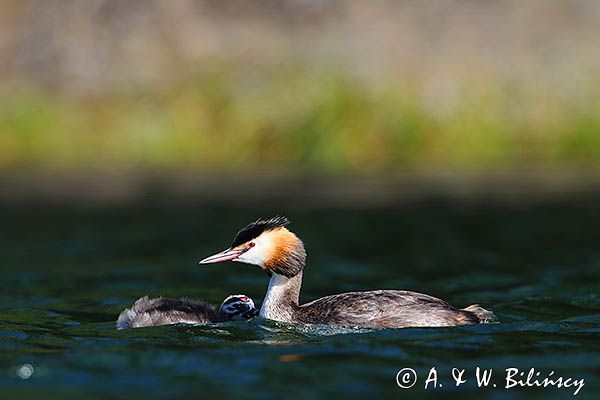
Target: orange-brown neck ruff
x,y
287,256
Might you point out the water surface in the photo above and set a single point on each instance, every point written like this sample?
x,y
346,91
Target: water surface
x,y
68,271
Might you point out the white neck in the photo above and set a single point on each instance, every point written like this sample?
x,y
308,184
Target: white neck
x,y
282,296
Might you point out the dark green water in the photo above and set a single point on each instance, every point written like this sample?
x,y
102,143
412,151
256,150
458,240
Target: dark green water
x,y
67,272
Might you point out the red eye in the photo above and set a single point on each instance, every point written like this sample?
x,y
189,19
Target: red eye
x,y
251,244
244,299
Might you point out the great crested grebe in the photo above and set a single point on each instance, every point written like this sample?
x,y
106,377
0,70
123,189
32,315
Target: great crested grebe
x,y
159,311
271,246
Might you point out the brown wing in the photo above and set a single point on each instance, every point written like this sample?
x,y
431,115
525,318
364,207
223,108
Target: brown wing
x,y
384,309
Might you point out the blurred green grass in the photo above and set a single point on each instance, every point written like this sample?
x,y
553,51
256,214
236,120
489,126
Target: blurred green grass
x,y
309,121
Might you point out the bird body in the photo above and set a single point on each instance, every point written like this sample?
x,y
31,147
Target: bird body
x,y
270,245
148,311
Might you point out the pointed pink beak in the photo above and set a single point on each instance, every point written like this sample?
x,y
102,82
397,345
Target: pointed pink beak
x,y
226,255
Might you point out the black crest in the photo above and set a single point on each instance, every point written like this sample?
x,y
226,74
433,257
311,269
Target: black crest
x,y
257,227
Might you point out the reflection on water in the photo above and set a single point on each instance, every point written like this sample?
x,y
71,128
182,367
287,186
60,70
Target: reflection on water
x,y
67,273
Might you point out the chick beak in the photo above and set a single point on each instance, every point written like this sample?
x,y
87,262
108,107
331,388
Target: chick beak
x,y
226,255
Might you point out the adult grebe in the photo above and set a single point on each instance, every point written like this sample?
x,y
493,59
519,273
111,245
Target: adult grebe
x,y
268,244
159,311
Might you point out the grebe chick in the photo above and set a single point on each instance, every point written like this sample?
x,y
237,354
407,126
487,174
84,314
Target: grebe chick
x,y
271,246
159,311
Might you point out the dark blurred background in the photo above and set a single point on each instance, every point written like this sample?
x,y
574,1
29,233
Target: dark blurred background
x,y
111,100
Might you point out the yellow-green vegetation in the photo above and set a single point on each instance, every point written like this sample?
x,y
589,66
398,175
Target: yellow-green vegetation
x,y
306,121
